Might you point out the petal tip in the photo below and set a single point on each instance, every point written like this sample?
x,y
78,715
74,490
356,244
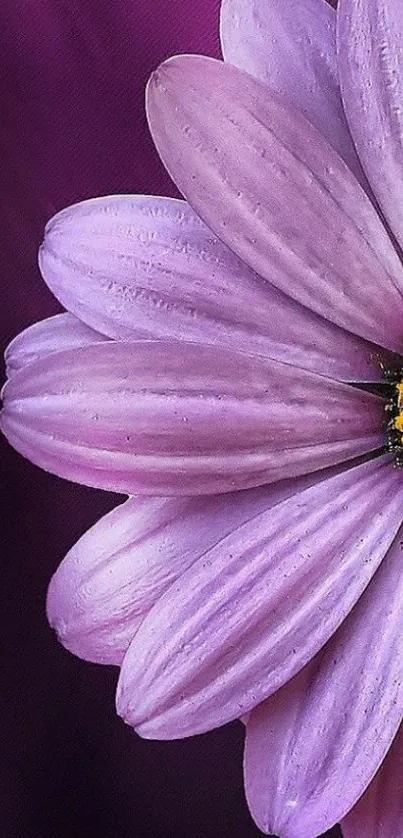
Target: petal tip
x,y
53,608
160,75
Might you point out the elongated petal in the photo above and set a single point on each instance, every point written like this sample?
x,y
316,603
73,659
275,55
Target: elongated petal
x,y
269,185
370,36
312,749
63,331
291,46
135,266
247,616
181,418
379,812
116,572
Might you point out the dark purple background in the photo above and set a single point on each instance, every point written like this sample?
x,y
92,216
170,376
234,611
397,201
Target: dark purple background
x,y
72,75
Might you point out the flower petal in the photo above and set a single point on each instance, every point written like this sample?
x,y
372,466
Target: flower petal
x,y
379,812
182,418
116,572
246,617
63,331
268,184
292,47
312,748
370,34
134,266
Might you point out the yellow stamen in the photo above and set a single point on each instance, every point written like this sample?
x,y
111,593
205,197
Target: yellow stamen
x,y
394,422
399,417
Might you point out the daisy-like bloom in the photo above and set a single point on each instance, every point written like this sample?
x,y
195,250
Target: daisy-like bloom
x,y
238,355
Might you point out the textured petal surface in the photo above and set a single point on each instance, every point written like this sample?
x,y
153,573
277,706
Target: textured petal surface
x,y
379,812
64,331
267,183
72,126
247,616
370,47
292,47
135,266
312,749
116,572
182,418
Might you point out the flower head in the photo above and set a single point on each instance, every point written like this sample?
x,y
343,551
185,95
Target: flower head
x,y
229,352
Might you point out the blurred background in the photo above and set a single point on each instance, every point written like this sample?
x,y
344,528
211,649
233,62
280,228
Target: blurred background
x,y
72,126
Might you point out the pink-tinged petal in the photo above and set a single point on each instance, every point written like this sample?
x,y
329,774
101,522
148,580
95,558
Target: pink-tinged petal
x,y
269,185
313,748
370,37
291,46
246,617
142,267
379,812
181,418
116,572
63,331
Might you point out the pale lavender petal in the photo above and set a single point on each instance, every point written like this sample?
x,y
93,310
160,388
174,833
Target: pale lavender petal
x,y
142,267
63,331
117,571
182,418
245,618
379,812
370,37
269,185
291,46
313,748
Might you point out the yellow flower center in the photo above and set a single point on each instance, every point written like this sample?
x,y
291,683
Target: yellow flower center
x,y
394,409
398,420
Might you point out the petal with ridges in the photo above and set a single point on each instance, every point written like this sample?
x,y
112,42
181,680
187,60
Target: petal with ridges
x,y
63,331
313,748
269,185
252,612
292,47
115,573
135,266
379,812
164,418
370,48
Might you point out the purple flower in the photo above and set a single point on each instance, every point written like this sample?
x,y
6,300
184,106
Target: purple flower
x,y
209,353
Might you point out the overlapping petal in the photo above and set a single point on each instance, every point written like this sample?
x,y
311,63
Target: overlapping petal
x,y
379,812
63,331
313,748
241,621
370,38
231,595
112,577
291,46
269,185
165,418
134,266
